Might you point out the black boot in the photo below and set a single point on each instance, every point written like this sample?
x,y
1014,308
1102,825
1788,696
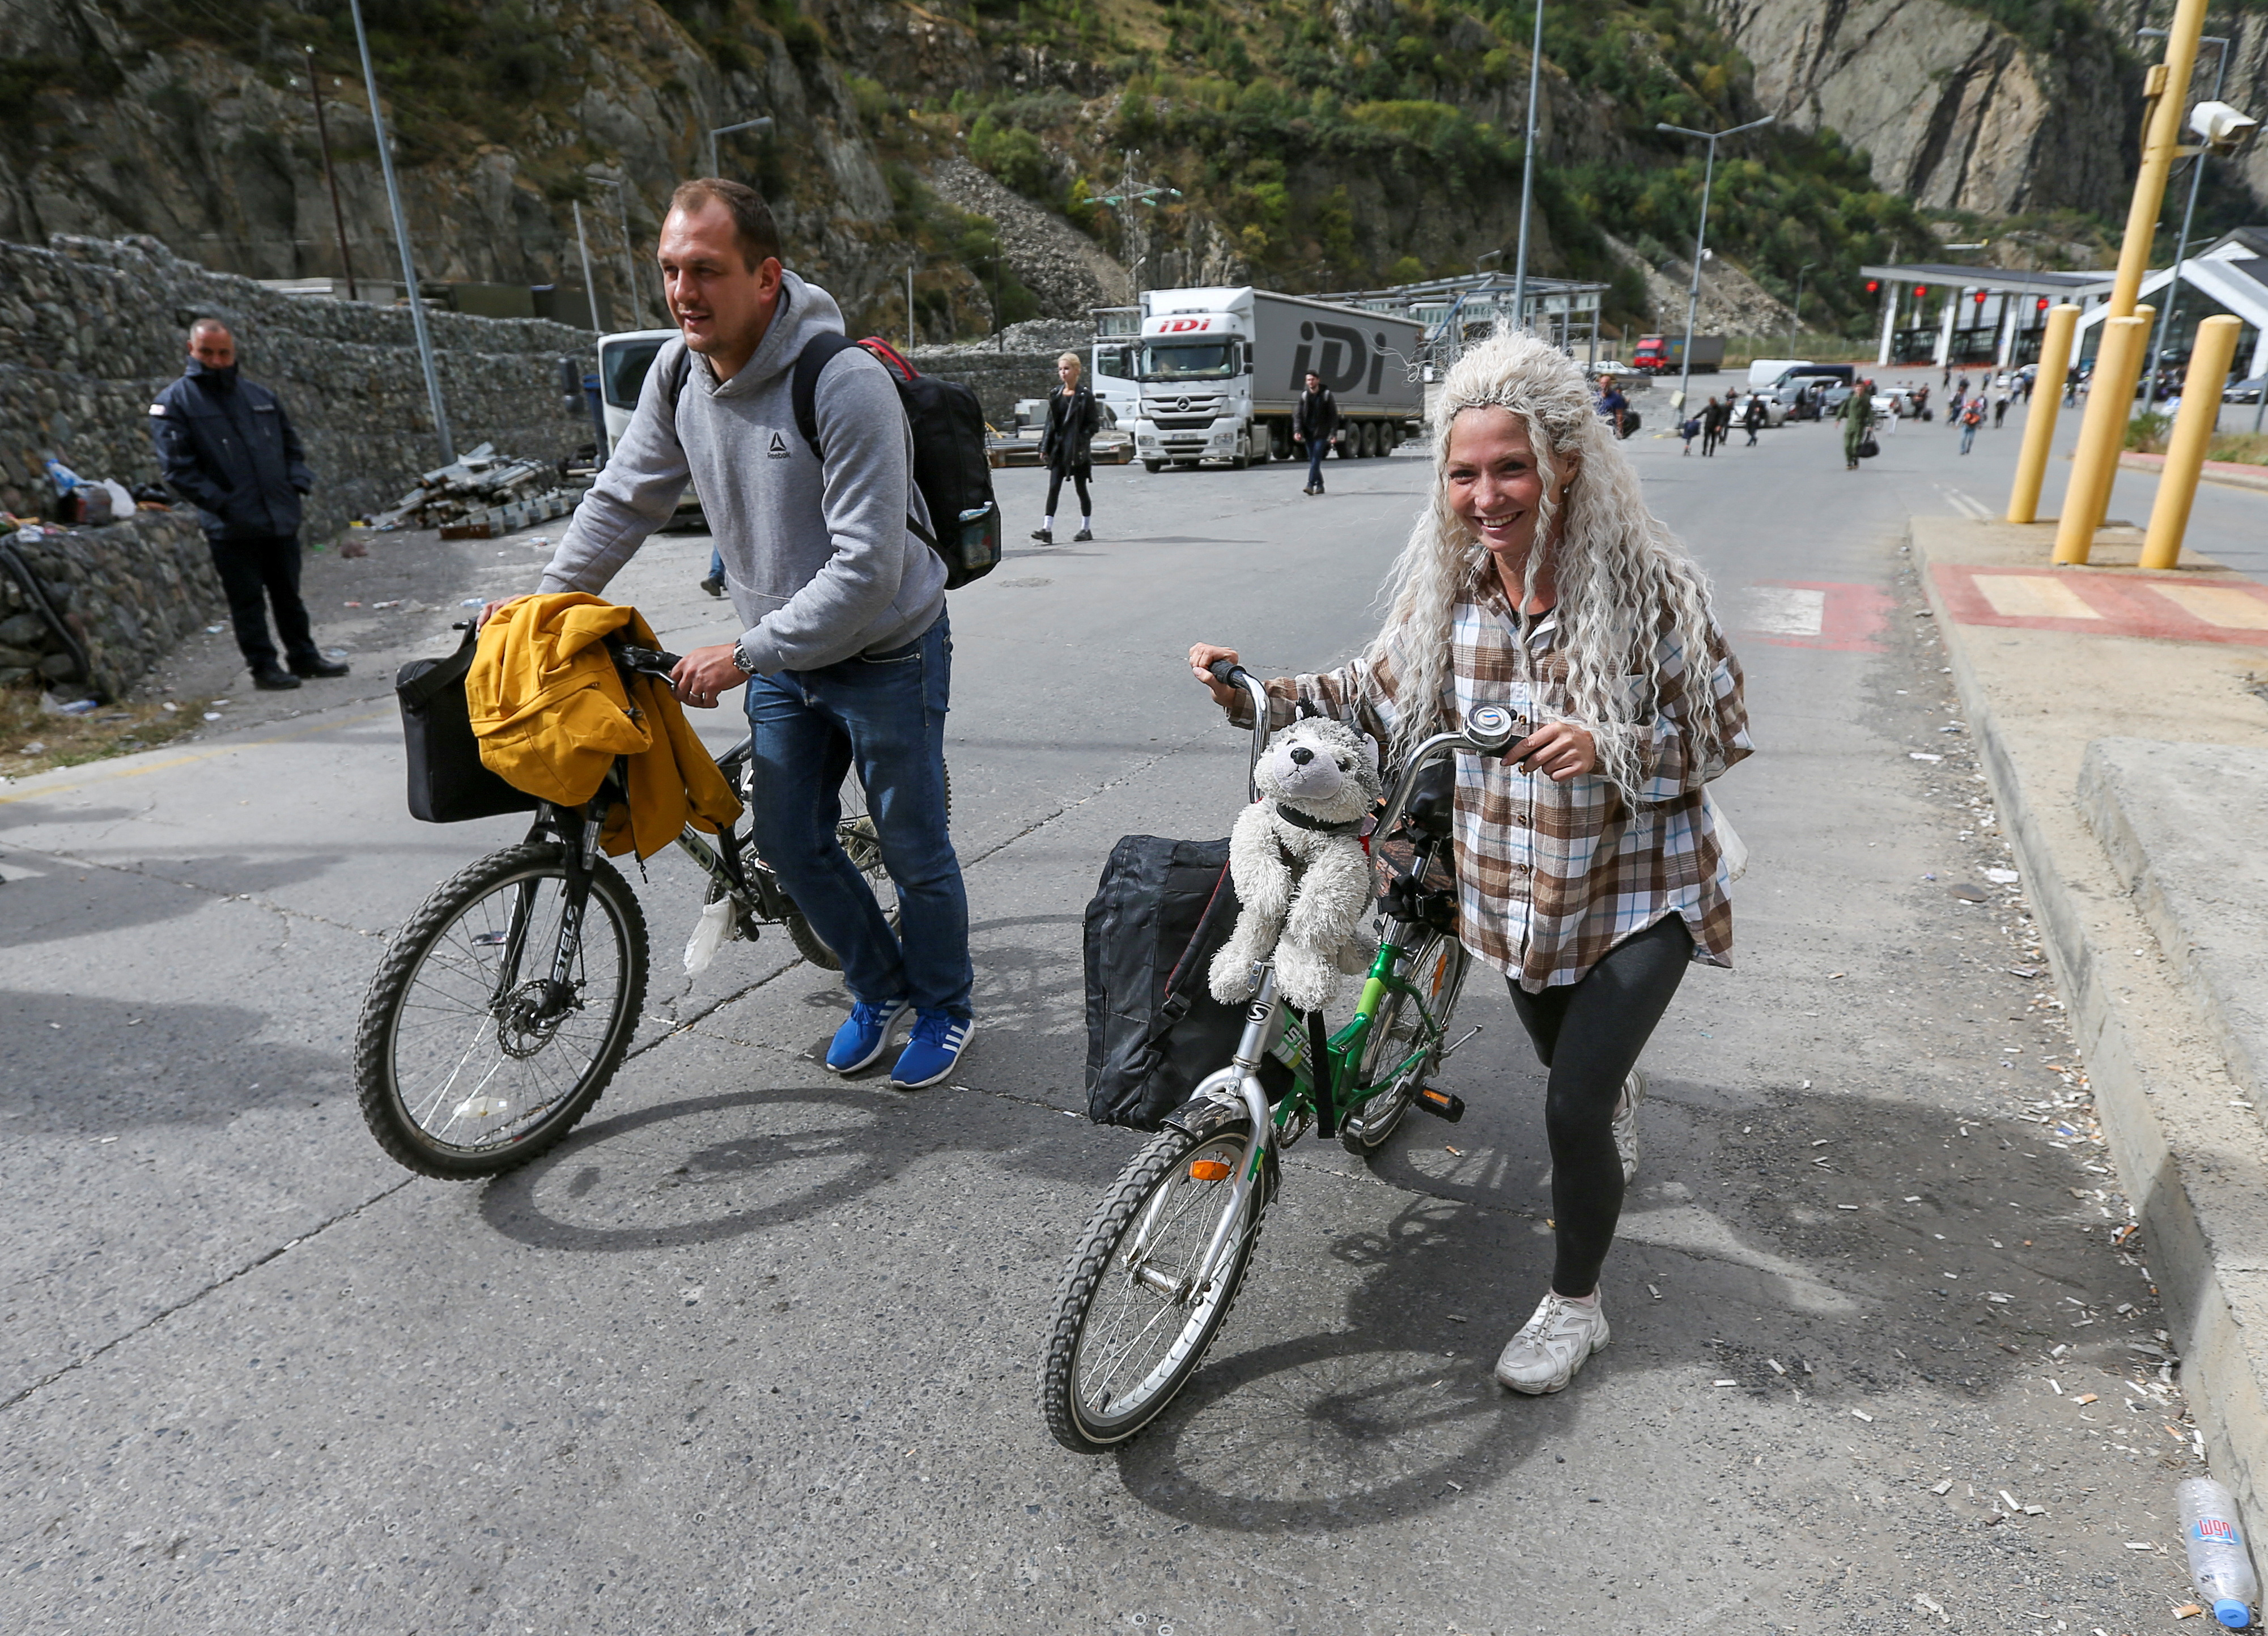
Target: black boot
x,y
272,679
316,664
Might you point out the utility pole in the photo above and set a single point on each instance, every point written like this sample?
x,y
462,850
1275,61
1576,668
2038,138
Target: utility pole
x,y
912,339
1131,195
1527,174
2189,211
402,239
323,139
589,289
1701,236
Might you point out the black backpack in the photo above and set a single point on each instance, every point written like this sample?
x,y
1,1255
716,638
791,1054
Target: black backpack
x,y
448,781
950,466
1160,912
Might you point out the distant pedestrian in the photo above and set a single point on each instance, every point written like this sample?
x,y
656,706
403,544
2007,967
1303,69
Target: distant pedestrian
x,y
2031,378
1753,417
227,448
1313,423
1960,387
1893,405
1858,414
1689,429
1946,381
1612,404
1712,426
1066,449
2001,393
1972,416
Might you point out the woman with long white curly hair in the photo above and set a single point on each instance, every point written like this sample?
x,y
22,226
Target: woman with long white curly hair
x,y
1589,864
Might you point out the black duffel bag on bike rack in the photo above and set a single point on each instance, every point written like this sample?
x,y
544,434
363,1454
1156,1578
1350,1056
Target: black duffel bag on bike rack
x,y
448,781
1161,911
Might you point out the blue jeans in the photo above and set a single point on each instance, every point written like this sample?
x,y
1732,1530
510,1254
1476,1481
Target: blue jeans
x,y
716,564
1317,448
885,714
1968,436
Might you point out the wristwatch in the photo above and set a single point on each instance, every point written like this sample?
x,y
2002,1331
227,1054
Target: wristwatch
x,y
741,657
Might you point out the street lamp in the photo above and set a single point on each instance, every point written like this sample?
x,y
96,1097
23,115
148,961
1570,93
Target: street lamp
x,y
1527,174
765,123
2182,243
1131,193
1701,234
1795,318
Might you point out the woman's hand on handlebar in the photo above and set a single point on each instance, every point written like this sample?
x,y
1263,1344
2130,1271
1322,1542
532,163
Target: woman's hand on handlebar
x,y
1225,694
1560,750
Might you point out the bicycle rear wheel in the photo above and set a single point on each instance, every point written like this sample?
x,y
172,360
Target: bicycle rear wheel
x,y
1435,966
1129,1326
470,1059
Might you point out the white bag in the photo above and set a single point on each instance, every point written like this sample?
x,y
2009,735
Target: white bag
x,y
1735,850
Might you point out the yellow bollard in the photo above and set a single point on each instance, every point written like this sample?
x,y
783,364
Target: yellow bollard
x,y
2040,417
2107,474
2109,406
2210,356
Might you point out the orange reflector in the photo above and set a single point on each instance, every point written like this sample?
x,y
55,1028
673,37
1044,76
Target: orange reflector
x,y
1209,1170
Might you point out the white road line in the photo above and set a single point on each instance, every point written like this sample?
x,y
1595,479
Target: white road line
x,y
1967,505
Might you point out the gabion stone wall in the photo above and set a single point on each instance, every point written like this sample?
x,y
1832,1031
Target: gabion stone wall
x,y
91,330
129,590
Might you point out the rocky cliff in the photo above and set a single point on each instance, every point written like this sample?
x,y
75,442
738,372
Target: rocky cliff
x,y
1958,111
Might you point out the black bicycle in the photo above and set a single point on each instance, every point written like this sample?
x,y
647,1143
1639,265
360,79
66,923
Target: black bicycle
x,y
504,1006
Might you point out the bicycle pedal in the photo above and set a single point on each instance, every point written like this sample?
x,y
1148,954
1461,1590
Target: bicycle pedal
x,y
1441,1104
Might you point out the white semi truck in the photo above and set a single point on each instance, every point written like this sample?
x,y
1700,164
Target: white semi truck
x,y
1220,371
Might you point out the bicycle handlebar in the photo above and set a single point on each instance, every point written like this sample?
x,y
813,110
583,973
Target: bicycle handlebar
x,y
1489,730
646,660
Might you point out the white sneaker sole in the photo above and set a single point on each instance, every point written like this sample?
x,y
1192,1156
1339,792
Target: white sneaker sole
x,y
896,1084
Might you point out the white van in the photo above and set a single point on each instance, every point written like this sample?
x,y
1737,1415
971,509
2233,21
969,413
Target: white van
x,y
623,361
1764,373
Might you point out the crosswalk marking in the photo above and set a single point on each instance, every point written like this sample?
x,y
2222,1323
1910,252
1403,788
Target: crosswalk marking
x,y
1967,505
2033,596
1782,611
2232,607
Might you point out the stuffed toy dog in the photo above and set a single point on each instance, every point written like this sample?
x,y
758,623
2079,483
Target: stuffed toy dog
x,y
1302,880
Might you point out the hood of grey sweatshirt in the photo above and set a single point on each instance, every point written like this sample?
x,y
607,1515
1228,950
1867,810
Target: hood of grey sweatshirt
x,y
817,555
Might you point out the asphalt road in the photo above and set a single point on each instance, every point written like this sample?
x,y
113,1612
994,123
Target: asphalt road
x,y
754,1350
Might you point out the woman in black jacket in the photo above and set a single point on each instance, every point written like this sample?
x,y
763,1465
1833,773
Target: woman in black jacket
x,y
1065,448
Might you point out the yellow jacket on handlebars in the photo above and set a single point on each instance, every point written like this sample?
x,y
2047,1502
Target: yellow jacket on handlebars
x,y
549,709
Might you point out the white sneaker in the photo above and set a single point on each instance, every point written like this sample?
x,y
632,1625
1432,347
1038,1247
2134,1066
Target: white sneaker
x,y
1626,1123
1544,1356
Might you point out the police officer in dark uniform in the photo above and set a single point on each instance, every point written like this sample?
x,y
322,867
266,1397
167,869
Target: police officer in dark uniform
x,y
226,446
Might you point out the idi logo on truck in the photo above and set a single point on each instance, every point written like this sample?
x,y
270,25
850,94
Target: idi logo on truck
x,y
1339,360
1182,325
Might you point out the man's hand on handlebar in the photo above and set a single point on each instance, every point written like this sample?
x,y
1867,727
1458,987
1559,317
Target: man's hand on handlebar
x,y
492,610
705,673
1226,695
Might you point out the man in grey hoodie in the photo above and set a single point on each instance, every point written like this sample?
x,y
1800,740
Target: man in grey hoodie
x,y
844,652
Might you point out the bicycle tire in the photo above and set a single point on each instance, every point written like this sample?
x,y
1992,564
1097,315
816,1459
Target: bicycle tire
x,y
1087,1428
379,1041
1365,1132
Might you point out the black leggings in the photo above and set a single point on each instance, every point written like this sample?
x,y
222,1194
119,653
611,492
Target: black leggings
x,y
1590,1034
1078,475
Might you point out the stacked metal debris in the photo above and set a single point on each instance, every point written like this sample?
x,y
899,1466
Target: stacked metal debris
x,y
479,495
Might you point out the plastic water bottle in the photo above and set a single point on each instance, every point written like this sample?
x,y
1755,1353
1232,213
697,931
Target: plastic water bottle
x,y
62,476
2218,1565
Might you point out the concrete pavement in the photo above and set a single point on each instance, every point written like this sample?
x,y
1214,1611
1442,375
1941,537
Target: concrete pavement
x,y
754,1350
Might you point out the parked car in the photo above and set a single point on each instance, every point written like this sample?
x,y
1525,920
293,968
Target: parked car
x,y
2244,391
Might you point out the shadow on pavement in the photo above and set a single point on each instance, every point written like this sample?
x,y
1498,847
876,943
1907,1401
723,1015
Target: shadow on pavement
x,y
67,901
82,1064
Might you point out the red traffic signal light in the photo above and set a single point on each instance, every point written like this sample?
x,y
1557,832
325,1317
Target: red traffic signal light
x,y
1979,298
1873,285
2041,305
1920,291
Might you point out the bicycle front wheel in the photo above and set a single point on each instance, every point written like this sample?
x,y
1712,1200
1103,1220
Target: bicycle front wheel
x,y
1132,1321
487,1031
1435,966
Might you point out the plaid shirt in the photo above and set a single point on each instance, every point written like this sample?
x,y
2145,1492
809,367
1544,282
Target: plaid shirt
x,y
1551,876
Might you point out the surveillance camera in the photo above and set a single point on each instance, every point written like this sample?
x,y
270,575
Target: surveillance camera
x,y
2223,128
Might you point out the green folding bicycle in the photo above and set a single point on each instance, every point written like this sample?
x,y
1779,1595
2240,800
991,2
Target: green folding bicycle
x,y
1161,1261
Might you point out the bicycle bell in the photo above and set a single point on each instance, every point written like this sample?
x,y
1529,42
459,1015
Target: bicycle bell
x,y
1490,728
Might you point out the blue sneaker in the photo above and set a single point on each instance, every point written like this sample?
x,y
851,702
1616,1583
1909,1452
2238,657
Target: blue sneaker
x,y
865,1034
933,1050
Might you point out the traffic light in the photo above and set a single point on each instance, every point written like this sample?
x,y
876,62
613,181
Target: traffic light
x,y
1873,285
2041,305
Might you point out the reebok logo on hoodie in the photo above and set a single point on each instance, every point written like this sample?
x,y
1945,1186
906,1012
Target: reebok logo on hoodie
x,y
778,451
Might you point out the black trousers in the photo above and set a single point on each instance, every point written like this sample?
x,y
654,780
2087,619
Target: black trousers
x,y
1078,475
256,573
1590,1034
